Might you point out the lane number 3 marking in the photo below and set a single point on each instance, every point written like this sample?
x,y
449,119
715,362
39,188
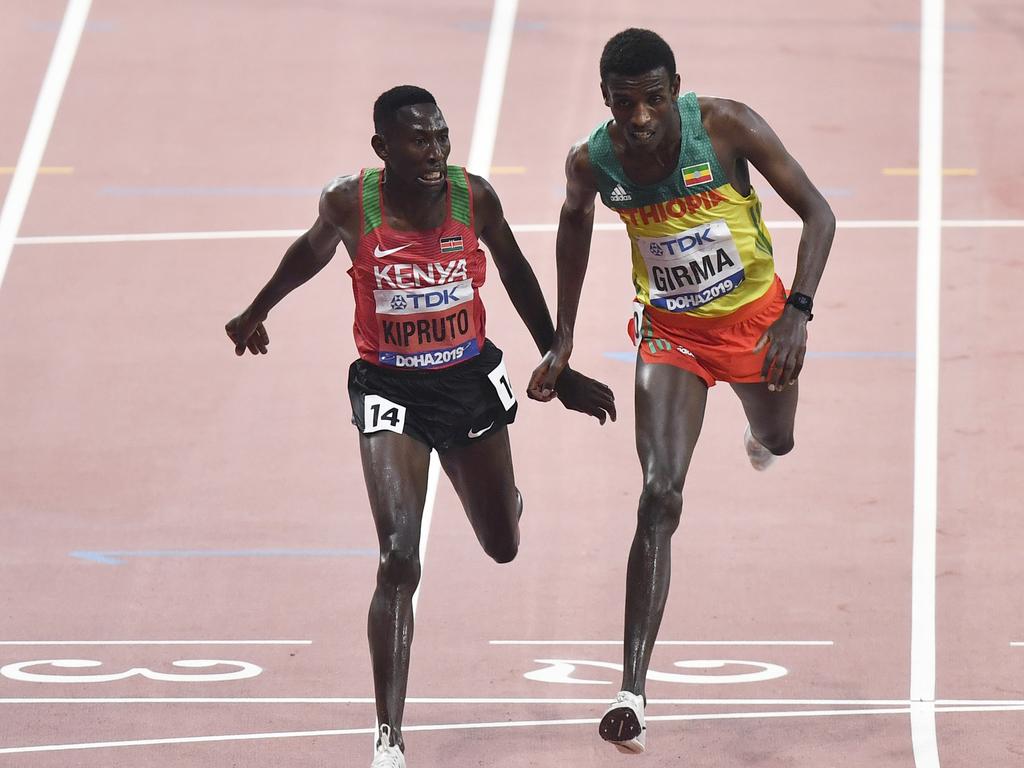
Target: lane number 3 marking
x,y
20,671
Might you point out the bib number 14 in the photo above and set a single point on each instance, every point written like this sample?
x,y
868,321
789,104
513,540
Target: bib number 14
x,y
381,414
499,378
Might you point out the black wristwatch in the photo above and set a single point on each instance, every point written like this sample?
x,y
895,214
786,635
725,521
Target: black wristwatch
x,y
803,302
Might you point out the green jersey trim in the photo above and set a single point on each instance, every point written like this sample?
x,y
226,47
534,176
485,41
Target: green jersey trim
x,y
458,184
371,200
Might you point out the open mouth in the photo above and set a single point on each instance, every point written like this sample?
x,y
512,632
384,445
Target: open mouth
x,y
642,137
432,178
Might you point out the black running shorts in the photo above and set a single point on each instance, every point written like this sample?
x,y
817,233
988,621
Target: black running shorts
x,y
458,405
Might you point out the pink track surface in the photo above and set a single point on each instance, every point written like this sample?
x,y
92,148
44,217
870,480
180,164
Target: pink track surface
x,y
129,426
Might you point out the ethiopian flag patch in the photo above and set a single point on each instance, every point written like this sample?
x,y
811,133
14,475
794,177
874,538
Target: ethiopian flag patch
x,y
451,244
697,174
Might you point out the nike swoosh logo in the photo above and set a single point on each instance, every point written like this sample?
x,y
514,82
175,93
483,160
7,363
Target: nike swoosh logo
x,y
472,434
381,254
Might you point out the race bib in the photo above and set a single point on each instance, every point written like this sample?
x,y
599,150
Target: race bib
x,y
499,378
426,327
688,269
637,323
379,414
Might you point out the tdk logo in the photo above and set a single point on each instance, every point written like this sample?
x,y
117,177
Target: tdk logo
x,y
620,195
680,245
419,300
431,299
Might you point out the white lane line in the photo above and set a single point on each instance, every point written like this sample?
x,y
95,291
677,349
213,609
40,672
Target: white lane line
x,y
156,642
984,708
926,387
156,237
291,234
492,87
444,727
39,127
668,642
433,475
1016,644
499,701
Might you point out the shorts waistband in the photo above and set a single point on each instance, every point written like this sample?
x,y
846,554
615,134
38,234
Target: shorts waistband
x,y
748,310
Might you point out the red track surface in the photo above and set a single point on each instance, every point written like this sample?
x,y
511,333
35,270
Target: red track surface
x,y
128,424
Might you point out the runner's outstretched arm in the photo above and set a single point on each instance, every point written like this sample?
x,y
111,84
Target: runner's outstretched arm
x,y
576,391
303,259
572,252
754,140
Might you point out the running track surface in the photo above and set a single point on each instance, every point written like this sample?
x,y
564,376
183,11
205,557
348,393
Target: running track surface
x,y
234,485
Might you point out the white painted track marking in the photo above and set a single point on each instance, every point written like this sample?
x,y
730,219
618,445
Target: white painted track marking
x,y
926,387
153,642
483,726
671,642
39,127
291,234
492,87
433,474
603,701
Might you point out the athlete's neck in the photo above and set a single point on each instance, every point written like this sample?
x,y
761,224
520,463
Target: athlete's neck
x,y
411,204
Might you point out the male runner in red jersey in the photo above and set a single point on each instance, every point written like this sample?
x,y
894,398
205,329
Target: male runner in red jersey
x,y
709,306
426,376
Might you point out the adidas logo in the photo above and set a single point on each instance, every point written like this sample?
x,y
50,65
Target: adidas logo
x,y
619,195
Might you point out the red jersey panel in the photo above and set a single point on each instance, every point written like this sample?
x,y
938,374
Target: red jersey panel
x,y
417,294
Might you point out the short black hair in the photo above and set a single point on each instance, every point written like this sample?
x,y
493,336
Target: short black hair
x,y
393,99
634,52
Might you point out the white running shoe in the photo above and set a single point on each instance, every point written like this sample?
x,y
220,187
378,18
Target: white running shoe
x,y
760,457
623,724
387,755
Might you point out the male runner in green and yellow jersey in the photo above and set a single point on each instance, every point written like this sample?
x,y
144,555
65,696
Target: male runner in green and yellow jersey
x,y
709,306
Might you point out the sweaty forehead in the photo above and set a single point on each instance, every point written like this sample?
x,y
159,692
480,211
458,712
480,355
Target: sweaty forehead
x,y
648,81
421,117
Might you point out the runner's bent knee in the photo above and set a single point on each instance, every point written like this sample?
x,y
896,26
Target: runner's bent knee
x,y
502,546
503,550
779,443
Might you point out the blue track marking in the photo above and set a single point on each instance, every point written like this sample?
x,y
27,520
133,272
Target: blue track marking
x,y
117,557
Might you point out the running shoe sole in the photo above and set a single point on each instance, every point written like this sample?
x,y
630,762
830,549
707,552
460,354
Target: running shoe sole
x,y
620,726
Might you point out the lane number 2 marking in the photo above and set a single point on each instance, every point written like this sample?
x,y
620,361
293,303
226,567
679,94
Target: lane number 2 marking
x,y
561,671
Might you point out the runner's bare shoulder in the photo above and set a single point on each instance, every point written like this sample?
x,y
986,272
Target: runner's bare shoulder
x,y
580,179
725,116
339,201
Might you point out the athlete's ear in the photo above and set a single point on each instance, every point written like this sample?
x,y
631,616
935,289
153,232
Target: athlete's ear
x,y
676,82
380,146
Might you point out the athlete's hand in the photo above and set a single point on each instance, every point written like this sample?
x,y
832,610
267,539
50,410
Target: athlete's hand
x,y
582,393
786,340
542,382
247,332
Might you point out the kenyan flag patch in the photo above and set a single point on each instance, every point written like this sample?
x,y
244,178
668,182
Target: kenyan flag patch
x,y
697,174
451,244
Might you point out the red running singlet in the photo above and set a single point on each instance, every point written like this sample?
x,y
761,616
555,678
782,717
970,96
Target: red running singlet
x,y
417,294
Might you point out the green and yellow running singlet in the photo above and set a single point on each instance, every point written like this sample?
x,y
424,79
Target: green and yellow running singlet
x,y
699,246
